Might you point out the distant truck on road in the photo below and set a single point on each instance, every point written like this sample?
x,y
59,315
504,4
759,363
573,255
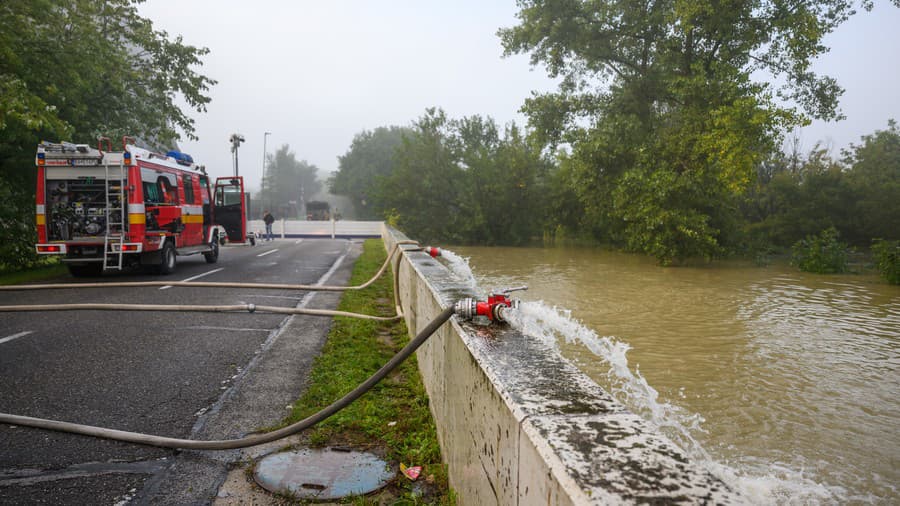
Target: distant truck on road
x,y
318,211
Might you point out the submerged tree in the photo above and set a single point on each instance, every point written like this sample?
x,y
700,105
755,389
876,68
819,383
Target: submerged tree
x,y
659,105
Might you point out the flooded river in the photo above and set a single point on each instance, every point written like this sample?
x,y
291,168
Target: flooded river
x,y
784,383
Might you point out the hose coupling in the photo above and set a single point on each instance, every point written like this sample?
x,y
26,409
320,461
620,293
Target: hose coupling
x,y
434,252
493,309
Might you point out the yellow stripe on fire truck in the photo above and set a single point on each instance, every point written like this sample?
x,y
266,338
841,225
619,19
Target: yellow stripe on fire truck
x,y
137,214
192,214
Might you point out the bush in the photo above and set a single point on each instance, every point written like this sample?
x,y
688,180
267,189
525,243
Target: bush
x,y
887,259
17,230
822,254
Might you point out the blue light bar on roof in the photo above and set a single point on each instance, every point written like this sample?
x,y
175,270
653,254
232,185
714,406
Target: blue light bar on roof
x,y
181,158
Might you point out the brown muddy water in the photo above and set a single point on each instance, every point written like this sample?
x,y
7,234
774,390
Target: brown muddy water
x,y
784,383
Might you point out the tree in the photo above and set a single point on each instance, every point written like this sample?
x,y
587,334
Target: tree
x,y
875,180
360,170
76,69
425,187
504,195
464,181
658,103
288,180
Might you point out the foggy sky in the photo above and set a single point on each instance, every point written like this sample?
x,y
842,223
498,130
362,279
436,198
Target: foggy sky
x,y
317,73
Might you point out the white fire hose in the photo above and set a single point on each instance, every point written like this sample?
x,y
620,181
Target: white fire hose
x,y
167,442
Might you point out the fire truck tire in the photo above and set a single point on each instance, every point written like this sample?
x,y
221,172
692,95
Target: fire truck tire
x,y
167,259
86,270
213,255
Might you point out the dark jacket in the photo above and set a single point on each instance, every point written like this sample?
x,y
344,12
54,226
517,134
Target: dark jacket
x,y
269,219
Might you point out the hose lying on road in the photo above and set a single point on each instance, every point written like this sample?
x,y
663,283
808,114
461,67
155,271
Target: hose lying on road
x,y
252,308
216,284
230,444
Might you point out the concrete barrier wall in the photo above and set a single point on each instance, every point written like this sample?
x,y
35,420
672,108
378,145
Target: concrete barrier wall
x,y
297,229
519,424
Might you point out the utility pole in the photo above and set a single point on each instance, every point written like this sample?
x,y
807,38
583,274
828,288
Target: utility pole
x,y
262,185
236,140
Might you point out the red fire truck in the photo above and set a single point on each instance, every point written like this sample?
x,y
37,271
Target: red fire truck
x,y
99,209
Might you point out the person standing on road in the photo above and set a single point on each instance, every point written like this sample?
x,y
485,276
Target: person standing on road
x,y
268,219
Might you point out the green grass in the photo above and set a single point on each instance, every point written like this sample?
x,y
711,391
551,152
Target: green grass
x,y
392,419
50,270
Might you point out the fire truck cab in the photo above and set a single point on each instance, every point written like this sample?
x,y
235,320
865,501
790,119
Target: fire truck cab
x,y
104,210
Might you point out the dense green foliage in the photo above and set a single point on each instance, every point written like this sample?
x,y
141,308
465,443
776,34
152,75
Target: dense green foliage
x,y
887,259
859,195
659,107
361,170
822,253
74,70
458,180
394,415
661,136
287,182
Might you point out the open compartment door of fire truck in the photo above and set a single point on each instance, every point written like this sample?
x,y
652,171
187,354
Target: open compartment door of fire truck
x,y
231,208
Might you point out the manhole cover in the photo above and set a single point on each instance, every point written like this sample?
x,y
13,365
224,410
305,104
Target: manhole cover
x,y
322,474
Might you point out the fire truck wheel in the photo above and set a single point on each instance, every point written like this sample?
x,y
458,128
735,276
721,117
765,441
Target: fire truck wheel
x,y
167,263
213,255
86,271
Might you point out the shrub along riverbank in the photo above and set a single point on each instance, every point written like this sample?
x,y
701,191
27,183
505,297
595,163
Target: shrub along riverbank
x,y
393,419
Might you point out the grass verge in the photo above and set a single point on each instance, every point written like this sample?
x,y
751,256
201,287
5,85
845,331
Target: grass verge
x,y
392,419
51,270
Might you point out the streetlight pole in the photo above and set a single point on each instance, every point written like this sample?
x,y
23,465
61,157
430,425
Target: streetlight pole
x,y
263,183
236,140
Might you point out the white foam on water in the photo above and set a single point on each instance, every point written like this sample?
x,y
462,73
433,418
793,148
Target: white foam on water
x,y
760,482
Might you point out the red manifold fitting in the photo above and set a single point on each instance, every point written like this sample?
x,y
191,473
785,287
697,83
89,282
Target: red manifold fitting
x,y
493,308
434,252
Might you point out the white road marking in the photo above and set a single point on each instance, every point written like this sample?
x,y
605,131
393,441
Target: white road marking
x,y
15,336
229,328
267,252
198,276
298,241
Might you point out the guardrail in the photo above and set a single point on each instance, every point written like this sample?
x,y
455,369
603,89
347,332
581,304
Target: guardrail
x,y
341,229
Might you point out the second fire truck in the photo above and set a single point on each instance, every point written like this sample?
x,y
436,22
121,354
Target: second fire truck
x,y
99,209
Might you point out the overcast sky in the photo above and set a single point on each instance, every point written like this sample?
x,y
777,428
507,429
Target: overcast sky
x,y
317,73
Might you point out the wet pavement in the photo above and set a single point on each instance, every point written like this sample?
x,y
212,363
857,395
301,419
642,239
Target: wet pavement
x,y
189,375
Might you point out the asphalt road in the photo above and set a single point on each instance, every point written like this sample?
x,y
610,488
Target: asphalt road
x,y
185,375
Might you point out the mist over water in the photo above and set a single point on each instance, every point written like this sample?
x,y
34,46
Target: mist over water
x,y
784,384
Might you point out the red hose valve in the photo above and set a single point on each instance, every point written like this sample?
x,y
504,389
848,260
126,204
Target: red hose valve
x,y
434,252
493,309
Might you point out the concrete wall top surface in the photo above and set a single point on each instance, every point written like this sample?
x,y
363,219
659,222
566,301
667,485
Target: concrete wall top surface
x,y
589,446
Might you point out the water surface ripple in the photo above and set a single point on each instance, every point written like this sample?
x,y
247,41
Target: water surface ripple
x,y
785,383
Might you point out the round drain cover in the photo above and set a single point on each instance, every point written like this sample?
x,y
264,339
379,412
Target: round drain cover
x,y
322,473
